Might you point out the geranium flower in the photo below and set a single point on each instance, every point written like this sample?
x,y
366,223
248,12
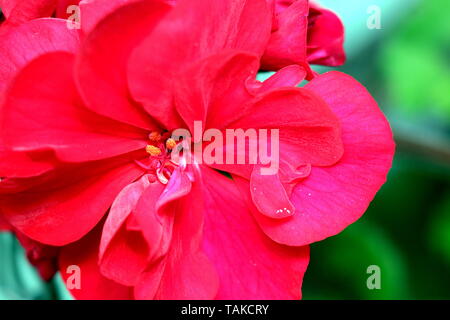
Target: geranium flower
x,y
303,33
86,153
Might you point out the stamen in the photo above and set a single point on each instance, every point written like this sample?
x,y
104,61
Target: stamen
x,y
154,136
152,150
170,143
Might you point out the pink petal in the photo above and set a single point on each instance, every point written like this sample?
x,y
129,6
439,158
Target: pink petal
x,y
250,265
308,130
333,197
289,76
185,272
156,226
123,253
269,195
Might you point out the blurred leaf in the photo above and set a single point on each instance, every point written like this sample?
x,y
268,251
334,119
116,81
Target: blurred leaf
x,y
18,279
342,262
415,62
439,231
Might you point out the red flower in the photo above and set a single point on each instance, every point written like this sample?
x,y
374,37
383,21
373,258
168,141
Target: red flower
x,y
91,137
303,34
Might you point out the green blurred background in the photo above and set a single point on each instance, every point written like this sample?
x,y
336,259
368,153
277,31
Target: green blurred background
x,y
406,231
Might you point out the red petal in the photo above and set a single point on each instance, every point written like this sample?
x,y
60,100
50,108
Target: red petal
x,y
94,11
152,215
325,38
333,197
289,76
214,90
22,44
19,11
309,132
4,225
103,87
62,8
68,203
269,195
193,30
77,134
250,265
288,42
22,164
93,286
123,253
185,272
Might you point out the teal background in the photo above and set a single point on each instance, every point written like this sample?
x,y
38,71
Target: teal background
x,y
406,231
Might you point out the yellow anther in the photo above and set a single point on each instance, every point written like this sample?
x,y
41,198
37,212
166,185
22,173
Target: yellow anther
x,y
170,143
154,136
152,150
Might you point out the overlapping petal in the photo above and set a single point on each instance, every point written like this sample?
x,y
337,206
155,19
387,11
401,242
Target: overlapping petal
x,y
63,205
101,64
303,33
123,253
18,11
62,123
288,39
333,197
83,255
158,231
325,37
181,39
30,40
250,265
185,272
183,231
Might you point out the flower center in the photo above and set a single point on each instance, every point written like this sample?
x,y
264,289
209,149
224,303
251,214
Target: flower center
x,y
159,163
